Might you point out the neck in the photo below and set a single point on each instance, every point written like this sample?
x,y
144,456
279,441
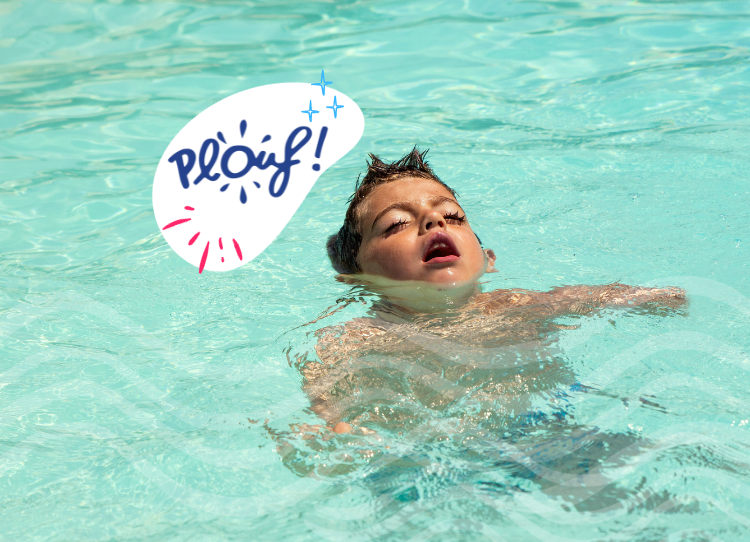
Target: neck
x,y
400,300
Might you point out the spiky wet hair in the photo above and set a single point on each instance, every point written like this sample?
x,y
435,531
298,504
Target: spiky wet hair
x,y
344,245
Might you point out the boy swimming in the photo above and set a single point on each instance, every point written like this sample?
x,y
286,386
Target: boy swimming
x,y
434,338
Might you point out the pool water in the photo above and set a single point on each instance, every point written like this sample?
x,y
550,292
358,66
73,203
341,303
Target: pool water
x,y
590,142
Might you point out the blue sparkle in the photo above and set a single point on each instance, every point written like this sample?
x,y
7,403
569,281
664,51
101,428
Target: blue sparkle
x,y
322,83
309,111
335,107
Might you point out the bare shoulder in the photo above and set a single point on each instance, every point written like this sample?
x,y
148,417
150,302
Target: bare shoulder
x,y
358,329
336,341
498,300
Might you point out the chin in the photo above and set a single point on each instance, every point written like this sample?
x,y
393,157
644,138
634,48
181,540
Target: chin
x,y
455,276
448,279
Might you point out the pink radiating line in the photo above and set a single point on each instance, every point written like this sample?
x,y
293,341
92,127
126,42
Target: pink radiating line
x,y
203,258
222,259
188,208
221,247
176,223
193,238
237,249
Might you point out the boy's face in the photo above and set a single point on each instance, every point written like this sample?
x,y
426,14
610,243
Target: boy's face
x,y
413,229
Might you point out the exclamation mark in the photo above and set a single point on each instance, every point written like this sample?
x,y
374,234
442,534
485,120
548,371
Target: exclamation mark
x,y
321,140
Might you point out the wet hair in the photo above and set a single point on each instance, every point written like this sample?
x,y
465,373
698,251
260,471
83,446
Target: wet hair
x,y
344,245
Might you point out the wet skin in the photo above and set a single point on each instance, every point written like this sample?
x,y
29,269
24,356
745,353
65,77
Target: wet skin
x,y
415,233
435,342
414,229
437,356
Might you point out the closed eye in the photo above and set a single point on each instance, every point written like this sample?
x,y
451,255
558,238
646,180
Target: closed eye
x,y
455,217
393,227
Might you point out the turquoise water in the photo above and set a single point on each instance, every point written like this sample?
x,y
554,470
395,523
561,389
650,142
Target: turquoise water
x,y
590,143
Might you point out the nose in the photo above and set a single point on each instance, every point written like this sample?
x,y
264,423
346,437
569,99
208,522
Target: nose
x,y
432,220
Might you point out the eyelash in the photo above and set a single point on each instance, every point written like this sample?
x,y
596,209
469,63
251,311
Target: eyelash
x,y
450,216
400,222
455,216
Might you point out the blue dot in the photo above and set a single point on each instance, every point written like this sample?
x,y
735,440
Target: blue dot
x,y
316,167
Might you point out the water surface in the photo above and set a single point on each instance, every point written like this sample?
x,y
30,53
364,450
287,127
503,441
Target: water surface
x,y
590,142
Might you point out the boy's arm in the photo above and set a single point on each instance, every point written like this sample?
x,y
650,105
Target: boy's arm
x,y
335,344
617,295
583,299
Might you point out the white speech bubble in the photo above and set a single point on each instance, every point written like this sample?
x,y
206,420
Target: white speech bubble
x,y
232,178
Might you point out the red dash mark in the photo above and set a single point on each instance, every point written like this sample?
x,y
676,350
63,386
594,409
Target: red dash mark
x,y
237,249
192,240
203,258
221,247
222,259
176,223
188,208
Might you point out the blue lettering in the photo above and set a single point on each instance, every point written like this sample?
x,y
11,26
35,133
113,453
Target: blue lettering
x,y
209,155
249,155
183,166
284,168
206,168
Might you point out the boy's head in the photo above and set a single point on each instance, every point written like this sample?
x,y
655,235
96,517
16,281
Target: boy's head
x,y
404,223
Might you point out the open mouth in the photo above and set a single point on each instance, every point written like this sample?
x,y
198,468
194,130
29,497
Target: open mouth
x,y
440,249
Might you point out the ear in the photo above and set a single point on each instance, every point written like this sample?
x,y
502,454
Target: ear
x,y
490,254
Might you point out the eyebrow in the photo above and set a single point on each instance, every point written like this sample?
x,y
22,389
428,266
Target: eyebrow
x,y
407,207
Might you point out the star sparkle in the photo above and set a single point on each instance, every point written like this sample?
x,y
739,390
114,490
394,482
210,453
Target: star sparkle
x,y
335,107
309,111
322,83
